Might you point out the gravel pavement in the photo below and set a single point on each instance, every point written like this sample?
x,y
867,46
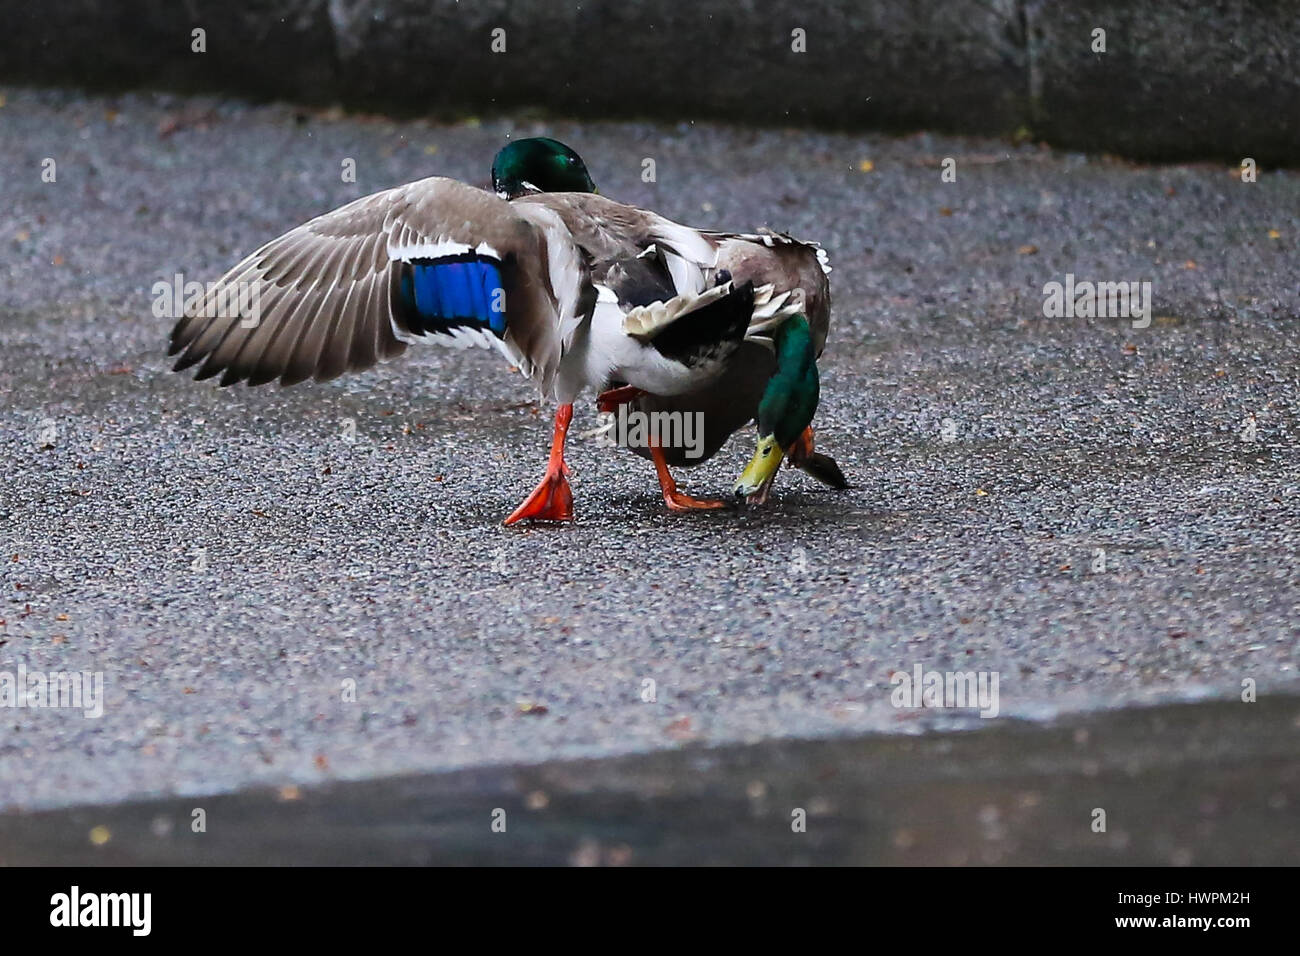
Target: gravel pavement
x,y
1100,514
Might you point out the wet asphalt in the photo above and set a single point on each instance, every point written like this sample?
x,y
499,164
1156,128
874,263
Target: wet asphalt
x,y
1102,515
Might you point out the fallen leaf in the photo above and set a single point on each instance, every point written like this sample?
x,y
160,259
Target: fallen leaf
x,y
680,729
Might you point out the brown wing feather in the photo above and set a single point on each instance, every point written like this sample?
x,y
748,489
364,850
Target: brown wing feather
x,y
327,291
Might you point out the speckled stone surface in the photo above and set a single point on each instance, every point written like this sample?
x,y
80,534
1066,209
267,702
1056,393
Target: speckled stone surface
x,y
994,453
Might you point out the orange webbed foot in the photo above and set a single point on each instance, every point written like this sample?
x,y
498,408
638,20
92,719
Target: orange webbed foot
x,y
551,500
677,501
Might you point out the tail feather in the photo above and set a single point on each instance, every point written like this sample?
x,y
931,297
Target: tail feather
x,y
824,469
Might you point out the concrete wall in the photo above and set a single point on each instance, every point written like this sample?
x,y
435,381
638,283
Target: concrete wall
x,y
1178,78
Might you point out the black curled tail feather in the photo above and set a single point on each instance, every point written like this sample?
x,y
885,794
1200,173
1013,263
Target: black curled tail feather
x,y
704,333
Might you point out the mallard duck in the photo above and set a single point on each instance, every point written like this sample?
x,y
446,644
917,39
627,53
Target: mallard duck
x,y
577,291
775,383
773,380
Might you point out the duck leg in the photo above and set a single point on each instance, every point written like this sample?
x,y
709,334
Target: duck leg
x,y
609,401
551,500
802,448
676,500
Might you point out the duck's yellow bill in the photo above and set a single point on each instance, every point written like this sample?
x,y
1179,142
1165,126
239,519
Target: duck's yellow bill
x,y
758,475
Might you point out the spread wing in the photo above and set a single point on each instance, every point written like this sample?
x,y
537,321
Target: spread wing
x,y
433,260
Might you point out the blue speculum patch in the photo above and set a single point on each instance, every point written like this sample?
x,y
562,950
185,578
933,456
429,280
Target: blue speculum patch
x,y
458,291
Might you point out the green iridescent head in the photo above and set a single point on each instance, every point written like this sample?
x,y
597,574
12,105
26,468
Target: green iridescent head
x,y
786,409
539,165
